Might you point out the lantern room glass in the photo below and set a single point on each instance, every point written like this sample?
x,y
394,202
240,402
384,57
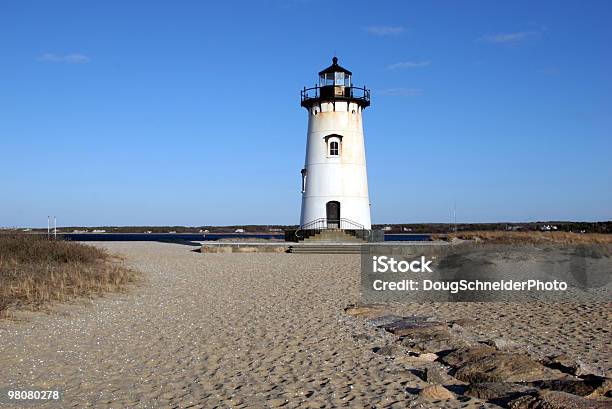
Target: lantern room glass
x,y
335,78
339,78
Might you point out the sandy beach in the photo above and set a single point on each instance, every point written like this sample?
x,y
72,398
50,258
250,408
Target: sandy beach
x,y
258,330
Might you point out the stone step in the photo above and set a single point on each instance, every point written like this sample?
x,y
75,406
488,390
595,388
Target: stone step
x,y
334,235
334,240
325,249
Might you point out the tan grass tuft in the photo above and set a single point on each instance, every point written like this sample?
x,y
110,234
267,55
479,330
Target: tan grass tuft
x,y
35,271
529,237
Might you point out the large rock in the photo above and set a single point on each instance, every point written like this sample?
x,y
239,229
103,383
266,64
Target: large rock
x,y
383,320
430,337
557,400
427,357
486,364
462,356
416,359
602,391
436,373
571,365
366,310
505,367
436,392
421,335
499,393
571,385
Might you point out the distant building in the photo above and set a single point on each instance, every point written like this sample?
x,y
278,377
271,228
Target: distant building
x,y
239,231
386,228
99,231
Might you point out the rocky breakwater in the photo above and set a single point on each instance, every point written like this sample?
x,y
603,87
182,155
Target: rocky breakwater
x,y
457,363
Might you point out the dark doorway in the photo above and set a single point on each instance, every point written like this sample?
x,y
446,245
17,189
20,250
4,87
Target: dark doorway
x,y
333,214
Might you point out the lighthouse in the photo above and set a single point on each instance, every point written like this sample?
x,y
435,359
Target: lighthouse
x,y
334,177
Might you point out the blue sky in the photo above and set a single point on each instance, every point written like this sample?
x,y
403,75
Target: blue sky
x,y
187,113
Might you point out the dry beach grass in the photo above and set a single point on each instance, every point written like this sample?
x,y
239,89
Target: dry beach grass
x,y
532,237
35,271
259,330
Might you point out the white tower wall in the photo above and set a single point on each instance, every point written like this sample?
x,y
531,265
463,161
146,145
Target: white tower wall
x,y
341,178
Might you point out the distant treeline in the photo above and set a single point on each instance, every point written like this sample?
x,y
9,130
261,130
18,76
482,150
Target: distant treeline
x,y
417,228
174,229
576,227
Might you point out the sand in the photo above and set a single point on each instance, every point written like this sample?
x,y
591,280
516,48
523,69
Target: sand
x,y
254,330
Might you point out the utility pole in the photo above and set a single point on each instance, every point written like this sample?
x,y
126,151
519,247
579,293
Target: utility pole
x,y
48,227
54,228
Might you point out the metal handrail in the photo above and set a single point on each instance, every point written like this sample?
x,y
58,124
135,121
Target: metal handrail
x,y
350,225
362,93
322,223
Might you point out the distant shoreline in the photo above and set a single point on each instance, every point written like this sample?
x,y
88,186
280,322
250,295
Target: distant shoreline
x,y
604,227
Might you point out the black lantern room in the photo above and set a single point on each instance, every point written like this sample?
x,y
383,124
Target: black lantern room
x,y
335,85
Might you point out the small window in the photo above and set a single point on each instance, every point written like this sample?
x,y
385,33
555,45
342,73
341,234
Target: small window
x,y
334,148
304,174
334,145
339,78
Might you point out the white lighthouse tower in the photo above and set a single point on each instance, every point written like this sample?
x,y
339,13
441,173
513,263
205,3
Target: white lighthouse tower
x,y
334,177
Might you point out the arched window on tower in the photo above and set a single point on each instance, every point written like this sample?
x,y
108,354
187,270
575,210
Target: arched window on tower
x,y
334,145
334,148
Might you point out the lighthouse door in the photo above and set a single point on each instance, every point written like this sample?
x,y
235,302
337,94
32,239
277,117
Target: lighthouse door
x,y
333,214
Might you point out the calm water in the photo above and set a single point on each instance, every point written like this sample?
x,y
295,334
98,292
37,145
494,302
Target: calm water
x,y
195,237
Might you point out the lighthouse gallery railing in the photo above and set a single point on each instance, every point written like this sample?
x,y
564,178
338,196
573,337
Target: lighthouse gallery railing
x,y
338,92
